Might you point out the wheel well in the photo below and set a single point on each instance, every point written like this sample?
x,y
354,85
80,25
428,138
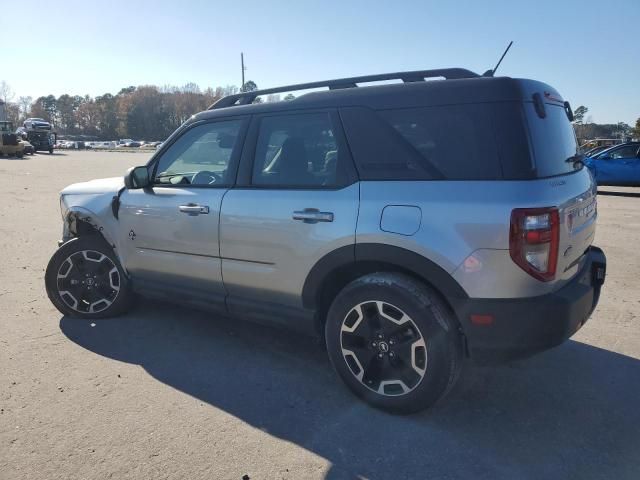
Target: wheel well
x,y
82,227
339,278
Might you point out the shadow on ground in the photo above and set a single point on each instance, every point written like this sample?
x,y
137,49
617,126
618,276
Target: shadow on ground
x,y
611,193
573,412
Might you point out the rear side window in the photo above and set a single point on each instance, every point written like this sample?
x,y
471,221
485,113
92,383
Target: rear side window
x,y
452,142
456,139
553,140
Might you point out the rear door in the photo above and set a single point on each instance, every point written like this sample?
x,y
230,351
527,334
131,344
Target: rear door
x,y
296,200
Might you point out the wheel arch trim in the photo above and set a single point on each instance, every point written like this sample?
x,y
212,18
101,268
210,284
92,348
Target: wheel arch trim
x,y
405,259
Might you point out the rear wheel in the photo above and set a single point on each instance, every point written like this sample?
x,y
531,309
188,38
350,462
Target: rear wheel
x,y
393,342
50,151
84,279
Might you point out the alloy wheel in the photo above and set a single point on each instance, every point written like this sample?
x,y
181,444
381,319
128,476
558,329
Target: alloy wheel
x,y
88,281
383,348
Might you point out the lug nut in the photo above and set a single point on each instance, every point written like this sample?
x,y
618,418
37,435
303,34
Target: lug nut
x,y
380,335
392,354
391,342
380,355
374,344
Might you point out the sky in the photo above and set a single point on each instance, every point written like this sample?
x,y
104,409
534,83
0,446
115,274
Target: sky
x,y
588,53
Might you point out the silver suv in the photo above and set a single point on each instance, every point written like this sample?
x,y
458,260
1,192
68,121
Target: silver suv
x,y
411,224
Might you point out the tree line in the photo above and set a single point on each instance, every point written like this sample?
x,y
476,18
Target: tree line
x,y
586,129
146,112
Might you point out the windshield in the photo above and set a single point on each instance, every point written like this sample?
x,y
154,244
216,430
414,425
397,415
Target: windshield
x,y
553,140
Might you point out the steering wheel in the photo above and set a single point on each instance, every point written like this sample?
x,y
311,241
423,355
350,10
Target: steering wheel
x,y
206,177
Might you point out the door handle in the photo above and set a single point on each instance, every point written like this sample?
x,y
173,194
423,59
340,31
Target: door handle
x,y
312,215
193,209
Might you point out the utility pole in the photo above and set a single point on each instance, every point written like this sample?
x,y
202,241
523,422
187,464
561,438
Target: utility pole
x,y
243,69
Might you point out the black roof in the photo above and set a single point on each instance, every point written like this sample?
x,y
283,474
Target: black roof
x,y
460,86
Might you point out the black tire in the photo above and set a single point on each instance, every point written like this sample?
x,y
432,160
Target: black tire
x,y
109,292
51,151
429,351
20,154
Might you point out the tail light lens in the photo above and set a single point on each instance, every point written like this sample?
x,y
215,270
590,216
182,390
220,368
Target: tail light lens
x,y
534,241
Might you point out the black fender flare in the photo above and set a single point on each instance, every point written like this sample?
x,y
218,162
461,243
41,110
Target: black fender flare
x,y
405,259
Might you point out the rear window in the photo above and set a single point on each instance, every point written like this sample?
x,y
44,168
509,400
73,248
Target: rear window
x,y
553,140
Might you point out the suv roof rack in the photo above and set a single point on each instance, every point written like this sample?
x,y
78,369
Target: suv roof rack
x,y
245,98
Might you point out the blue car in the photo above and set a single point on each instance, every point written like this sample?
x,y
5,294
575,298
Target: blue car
x,y
618,165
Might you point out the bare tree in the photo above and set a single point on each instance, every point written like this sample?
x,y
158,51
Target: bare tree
x,y
25,104
6,92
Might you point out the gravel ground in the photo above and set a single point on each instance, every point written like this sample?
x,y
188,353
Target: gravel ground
x,y
165,393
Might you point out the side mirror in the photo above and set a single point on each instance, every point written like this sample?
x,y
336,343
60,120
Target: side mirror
x,y
137,177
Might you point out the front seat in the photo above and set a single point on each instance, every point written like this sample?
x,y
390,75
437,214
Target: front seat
x,y
293,166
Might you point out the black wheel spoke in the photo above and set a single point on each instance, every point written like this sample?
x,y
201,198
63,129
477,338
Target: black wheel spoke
x,y
390,350
86,282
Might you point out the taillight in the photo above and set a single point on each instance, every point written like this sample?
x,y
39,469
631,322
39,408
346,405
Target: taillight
x,y
534,241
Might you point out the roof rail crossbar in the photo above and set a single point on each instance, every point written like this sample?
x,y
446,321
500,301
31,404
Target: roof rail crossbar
x,y
244,98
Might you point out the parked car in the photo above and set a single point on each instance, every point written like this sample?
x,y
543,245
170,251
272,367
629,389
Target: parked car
x,y
132,144
593,151
395,221
618,165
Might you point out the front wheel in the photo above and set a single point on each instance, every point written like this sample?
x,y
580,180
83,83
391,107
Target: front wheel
x,y
50,151
394,342
84,279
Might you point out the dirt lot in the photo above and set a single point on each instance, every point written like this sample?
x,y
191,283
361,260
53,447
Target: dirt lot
x,y
163,393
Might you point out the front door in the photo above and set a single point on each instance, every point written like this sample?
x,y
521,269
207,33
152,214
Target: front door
x,y
296,200
169,232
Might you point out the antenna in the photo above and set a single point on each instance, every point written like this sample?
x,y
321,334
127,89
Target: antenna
x,y
491,73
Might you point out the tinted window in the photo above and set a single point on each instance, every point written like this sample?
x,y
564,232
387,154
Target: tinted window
x,y
296,150
627,151
379,151
457,140
454,142
200,156
553,140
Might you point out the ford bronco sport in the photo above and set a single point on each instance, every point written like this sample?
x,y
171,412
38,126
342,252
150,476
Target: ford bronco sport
x,y
411,224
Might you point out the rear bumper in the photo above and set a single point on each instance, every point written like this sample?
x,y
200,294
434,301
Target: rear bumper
x,y
506,329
